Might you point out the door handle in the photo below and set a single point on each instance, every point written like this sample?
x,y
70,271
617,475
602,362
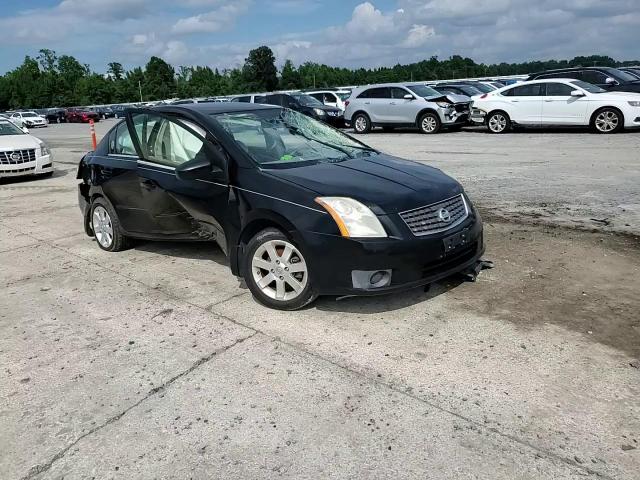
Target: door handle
x,y
392,103
548,100
149,184
367,103
515,101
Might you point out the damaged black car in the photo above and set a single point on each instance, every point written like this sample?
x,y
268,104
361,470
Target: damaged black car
x,y
299,208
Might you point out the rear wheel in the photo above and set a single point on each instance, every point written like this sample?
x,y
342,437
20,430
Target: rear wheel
x,y
276,271
607,120
429,123
106,227
498,122
361,123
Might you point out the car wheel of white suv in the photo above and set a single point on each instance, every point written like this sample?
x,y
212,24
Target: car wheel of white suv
x,y
429,123
498,122
361,123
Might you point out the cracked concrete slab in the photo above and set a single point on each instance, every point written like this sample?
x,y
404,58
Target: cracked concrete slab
x,y
264,410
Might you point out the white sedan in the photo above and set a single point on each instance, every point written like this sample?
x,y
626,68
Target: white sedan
x,y
557,102
29,119
21,153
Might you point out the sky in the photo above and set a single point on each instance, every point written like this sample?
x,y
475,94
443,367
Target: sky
x,y
344,33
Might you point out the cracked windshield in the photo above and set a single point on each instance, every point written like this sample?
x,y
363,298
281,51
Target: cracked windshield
x,y
278,137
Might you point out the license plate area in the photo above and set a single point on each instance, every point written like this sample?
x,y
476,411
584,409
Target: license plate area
x,y
455,241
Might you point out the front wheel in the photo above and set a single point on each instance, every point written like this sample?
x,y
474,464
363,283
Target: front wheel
x,y
607,120
276,271
498,122
429,123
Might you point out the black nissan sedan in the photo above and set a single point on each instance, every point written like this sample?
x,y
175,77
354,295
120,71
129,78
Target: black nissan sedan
x,y
299,208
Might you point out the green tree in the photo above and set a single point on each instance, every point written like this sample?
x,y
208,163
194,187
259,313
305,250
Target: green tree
x,y
289,76
259,72
159,80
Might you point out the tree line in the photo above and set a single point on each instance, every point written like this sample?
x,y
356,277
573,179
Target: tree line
x,y
49,80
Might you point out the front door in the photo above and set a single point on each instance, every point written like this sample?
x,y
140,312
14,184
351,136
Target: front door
x,y
561,108
179,209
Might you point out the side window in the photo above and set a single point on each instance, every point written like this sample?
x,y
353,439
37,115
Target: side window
x,y
532,90
380,92
594,77
398,92
166,141
120,141
558,90
329,98
246,99
260,99
317,96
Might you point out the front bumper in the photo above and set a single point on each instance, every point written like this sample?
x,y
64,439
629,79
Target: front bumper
x,y
413,262
29,124
454,116
39,166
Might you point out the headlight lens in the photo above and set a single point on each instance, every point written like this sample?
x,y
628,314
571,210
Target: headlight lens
x,y
635,103
444,104
43,150
353,218
318,111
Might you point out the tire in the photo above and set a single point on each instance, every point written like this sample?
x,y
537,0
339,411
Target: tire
x,y
607,120
498,122
46,175
429,123
265,262
361,123
107,233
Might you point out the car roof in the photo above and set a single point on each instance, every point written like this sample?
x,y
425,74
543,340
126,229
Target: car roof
x,y
210,108
572,69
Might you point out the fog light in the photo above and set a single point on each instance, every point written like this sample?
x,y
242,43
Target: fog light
x,y
368,280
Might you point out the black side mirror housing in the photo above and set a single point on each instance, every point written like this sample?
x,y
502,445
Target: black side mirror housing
x,y
202,168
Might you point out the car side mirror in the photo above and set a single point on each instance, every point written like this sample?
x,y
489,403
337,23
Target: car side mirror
x,y
408,96
611,81
200,168
577,93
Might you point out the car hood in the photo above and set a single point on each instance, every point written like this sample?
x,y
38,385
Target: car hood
x,y
384,183
452,97
617,95
33,119
627,87
18,142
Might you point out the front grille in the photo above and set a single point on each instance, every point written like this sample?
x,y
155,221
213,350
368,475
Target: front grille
x,y
462,107
433,218
21,156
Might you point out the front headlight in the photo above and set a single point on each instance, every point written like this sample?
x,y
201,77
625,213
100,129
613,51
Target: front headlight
x,y
353,218
444,105
43,150
318,111
635,103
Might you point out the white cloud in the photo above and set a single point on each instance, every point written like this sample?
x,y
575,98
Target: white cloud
x,y
418,36
222,18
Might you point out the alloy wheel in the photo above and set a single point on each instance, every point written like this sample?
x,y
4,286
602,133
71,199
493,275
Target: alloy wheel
x,y
497,123
429,124
102,226
360,124
279,270
607,121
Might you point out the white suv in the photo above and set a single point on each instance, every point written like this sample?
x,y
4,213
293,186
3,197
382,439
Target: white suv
x,y
331,98
393,105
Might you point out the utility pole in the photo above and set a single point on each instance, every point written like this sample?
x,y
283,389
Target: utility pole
x,y
140,88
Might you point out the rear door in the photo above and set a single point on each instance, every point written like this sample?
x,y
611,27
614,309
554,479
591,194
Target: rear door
x,y
180,209
524,103
376,104
560,108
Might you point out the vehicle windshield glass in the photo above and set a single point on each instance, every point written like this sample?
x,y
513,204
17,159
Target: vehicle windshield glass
x,y
343,95
423,91
279,137
307,100
9,128
588,86
29,114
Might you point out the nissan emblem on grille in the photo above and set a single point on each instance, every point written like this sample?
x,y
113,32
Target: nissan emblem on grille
x,y
444,215
437,217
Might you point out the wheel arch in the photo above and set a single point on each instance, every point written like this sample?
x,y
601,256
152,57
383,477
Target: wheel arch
x,y
257,221
427,110
592,119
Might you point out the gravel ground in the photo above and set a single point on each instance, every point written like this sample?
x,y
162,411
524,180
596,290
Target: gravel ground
x,y
157,363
